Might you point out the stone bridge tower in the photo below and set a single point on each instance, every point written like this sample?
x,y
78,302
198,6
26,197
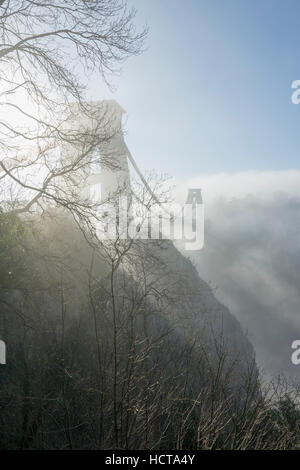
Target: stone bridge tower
x,y
106,173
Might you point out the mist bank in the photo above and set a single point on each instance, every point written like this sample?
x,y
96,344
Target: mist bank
x,y
251,257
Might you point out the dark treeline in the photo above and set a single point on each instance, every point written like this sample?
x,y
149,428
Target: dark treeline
x,y
110,347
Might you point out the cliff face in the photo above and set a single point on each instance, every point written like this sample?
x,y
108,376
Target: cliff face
x,y
201,319
126,325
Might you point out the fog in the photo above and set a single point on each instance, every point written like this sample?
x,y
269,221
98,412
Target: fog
x,y
252,257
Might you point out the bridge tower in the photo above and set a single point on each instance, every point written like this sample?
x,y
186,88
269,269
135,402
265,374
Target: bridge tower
x,y
98,139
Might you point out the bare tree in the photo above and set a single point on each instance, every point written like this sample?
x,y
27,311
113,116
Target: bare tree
x,y
48,51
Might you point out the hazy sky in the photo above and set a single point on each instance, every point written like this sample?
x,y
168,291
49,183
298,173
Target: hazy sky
x,y
212,92
209,103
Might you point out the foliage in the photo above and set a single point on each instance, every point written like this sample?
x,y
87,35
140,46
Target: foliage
x,y
12,260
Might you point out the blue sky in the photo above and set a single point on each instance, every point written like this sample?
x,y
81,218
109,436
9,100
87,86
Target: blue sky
x,y
212,92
